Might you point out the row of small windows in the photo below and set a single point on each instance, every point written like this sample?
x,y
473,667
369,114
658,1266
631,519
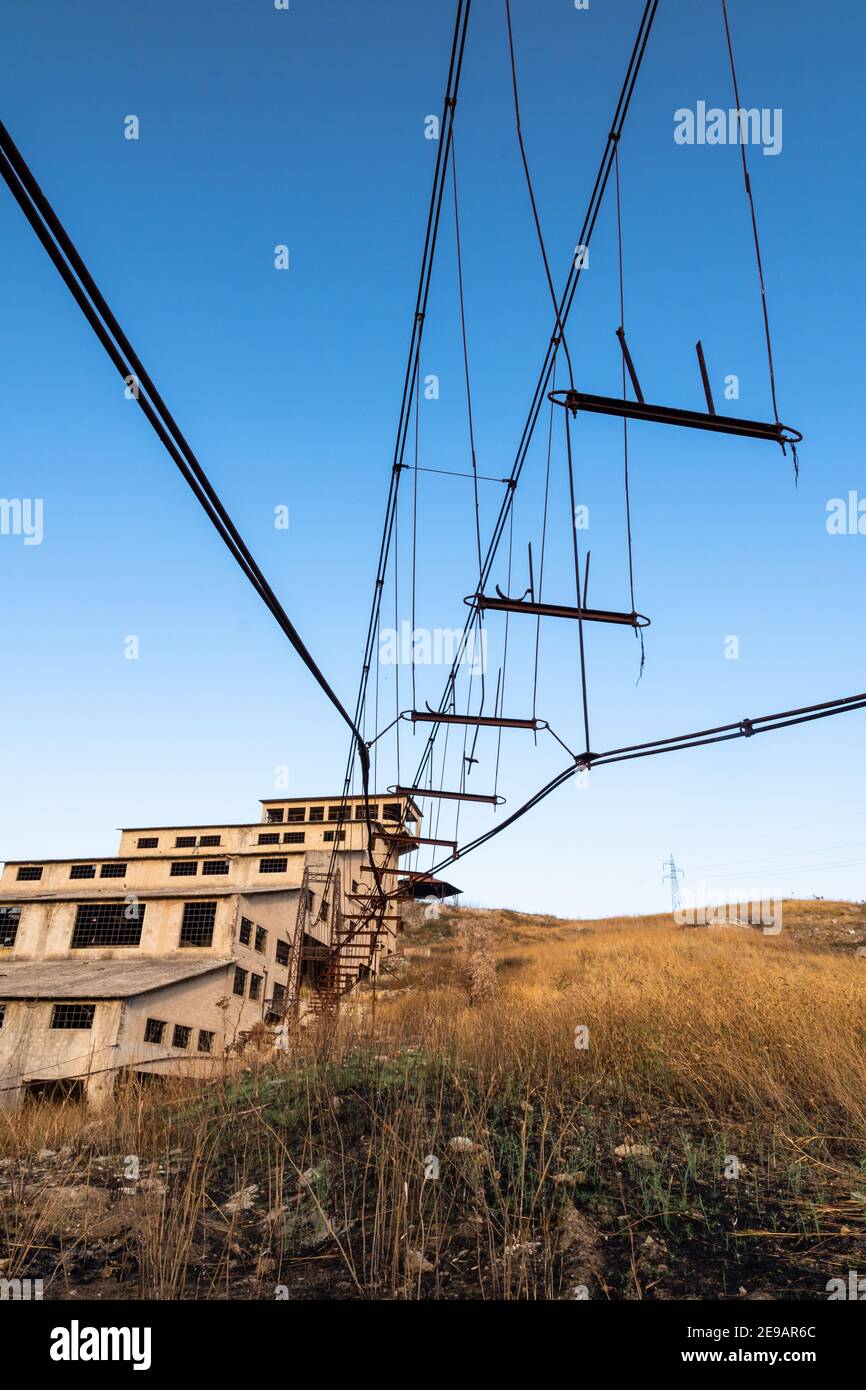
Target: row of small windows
x,y
105,871
391,810
181,1036
290,837
188,868
240,984
81,1016
247,928
120,924
180,841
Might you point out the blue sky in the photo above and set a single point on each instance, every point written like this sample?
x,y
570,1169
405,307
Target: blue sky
x,y
306,128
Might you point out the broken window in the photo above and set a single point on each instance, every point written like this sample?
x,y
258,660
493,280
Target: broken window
x,y
83,871
2,1014
282,952
198,923
9,919
275,814
359,812
279,998
72,1015
181,1035
392,811
338,812
154,1030
246,931
107,924
255,986
317,813
205,1040
330,835
261,939
30,873
240,984
295,813
184,868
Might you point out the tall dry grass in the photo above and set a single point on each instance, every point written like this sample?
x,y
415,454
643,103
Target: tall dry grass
x,y
700,1044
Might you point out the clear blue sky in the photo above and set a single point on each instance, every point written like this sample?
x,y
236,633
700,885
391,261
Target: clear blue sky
x,y
306,127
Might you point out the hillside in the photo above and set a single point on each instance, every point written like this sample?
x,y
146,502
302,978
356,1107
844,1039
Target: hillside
x,y
525,1107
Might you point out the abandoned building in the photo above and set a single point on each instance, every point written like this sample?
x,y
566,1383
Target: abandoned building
x,y
167,957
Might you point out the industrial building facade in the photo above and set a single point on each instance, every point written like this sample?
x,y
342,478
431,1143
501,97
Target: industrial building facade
x,y
168,956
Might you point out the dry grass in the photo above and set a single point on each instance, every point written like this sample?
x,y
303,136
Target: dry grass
x,y
702,1045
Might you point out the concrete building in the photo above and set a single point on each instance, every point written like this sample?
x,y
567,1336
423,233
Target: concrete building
x,y
165,958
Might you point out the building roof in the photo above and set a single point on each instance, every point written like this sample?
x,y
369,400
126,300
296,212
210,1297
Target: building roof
x,y
96,979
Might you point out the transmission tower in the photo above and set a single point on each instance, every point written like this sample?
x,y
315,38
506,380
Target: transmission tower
x,y
674,874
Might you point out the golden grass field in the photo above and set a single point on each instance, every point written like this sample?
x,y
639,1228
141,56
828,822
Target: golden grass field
x,y
707,1140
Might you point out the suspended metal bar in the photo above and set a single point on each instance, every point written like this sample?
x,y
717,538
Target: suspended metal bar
x,y
419,840
483,721
626,357
504,604
705,377
447,796
667,415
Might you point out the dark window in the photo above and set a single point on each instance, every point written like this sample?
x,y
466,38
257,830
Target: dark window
x,y
185,842
338,812
275,815
215,866
198,923
255,986
113,871
392,811
147,842
31,873
261,939
184,868
181,1035
72,1015
209,840
246,931
2,1014
359,812
154,1030
9,919
240,983
205,1040
294,837
279,996
317,813
282,952
309,899
83,871
270,839
108,924
273,866
329,835
295,813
